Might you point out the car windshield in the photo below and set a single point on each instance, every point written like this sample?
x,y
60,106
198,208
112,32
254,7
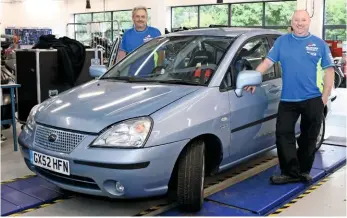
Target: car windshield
x,y
189,60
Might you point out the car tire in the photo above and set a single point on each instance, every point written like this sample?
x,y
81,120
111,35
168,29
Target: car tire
x,y
190,177
338,80
320,137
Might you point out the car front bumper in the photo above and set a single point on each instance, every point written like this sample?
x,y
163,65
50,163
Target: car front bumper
x,y
143,172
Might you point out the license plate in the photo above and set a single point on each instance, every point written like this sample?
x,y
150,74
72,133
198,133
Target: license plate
x,y
50,163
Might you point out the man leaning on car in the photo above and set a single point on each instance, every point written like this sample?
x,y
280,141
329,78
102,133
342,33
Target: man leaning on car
x,y
303,59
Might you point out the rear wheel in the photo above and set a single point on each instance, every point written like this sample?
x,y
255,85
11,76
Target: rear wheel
x,y
321,134
191,176
338,80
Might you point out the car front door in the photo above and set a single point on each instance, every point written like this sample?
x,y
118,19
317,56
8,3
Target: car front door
x,y
272,85
251,116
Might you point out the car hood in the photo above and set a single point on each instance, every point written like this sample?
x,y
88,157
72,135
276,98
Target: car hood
x,y
99,104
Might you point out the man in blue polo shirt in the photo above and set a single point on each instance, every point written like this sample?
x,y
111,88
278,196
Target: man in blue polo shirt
x,y
304,59
135,37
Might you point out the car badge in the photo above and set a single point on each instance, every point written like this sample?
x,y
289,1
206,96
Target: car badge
x,y
52,137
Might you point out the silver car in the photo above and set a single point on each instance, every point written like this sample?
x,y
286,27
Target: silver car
x,y
171,112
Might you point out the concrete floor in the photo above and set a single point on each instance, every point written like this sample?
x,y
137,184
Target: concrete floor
x,y
327,200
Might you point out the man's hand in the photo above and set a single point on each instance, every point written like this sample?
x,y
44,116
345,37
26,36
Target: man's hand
x,y
328,84
250,89
325,100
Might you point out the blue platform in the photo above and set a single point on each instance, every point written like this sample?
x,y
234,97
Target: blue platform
x,y
212,209
329,157
257,196
336,141
27,193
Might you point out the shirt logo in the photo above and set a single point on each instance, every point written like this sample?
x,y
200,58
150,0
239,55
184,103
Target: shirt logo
x,y
147,38
312,49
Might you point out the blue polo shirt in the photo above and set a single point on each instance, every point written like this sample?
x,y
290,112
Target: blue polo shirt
x,y
303,61
133,39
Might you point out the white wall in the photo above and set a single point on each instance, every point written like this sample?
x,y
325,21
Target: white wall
x,y
57,13
35,13
315,9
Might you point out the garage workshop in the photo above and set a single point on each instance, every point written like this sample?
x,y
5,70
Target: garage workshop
x,y
173,107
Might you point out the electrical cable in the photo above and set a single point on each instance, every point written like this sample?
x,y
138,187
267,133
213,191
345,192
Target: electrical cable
x,y
313,8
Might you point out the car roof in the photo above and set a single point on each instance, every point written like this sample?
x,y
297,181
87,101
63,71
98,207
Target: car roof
x,y
225,31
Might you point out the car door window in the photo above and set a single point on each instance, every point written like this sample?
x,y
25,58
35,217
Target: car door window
x,y
277,65
250,55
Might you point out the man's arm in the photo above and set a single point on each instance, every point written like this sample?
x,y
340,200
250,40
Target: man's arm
x,y
122,48
328,65
264,66
328,84
121,55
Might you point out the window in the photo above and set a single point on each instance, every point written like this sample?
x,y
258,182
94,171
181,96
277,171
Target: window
x,y
109,24
266,14
335,20
123,21
247,14
81,33
185,17
105,25
279,13
213,14
250,56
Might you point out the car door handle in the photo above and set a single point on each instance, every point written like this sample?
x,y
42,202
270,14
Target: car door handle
x,y
275,89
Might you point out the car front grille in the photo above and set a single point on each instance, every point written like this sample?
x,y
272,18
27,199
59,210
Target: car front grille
x,y
65,142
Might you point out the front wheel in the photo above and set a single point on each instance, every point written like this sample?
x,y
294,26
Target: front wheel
x,y
320,137
191,176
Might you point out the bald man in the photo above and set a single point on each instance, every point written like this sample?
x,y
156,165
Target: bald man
x,y
304,58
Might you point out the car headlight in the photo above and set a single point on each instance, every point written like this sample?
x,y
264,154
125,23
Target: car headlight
x,y
31,118
128,134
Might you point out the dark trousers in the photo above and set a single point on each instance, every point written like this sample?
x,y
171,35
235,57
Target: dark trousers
x,y
295,161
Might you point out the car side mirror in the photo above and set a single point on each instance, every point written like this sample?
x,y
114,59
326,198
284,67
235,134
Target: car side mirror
x,y
97,70
247,78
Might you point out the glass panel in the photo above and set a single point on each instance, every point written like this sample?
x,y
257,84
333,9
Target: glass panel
x,y
82,18
249,14
335,34
183,59
124,19
185,17
335,12
104,28
84,38
279,13
213,14
100,16
149,16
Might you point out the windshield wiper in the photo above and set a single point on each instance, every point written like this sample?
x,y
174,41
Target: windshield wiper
x,y
179,81
127,78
